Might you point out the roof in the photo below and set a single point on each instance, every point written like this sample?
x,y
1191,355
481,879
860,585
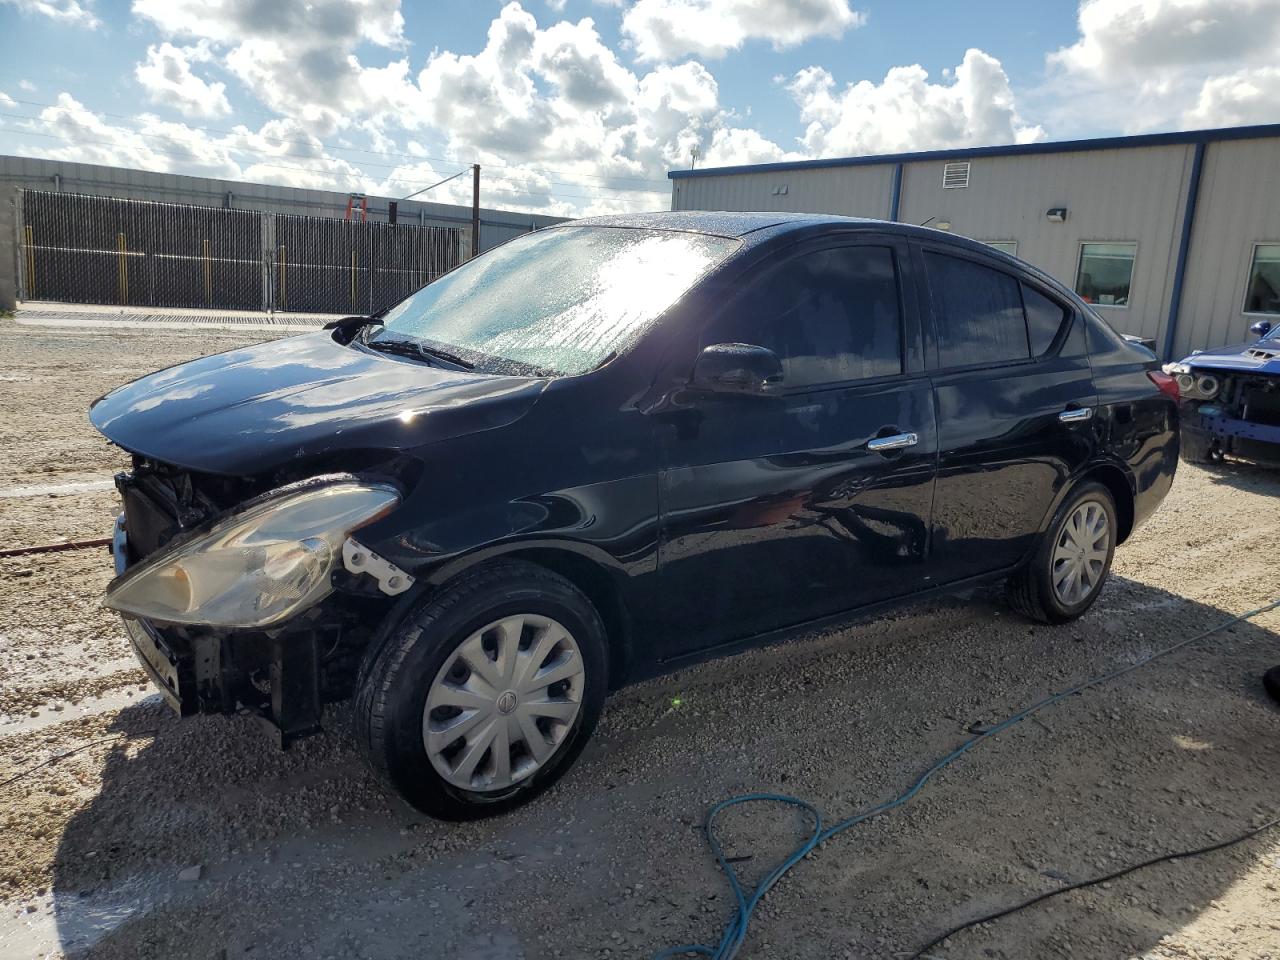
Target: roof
x,y
1259,132
716,223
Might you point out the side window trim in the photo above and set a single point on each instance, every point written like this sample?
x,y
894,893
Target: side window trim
x,y
928,321
908,311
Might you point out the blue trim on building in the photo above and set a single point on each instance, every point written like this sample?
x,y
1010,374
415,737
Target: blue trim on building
x,y
1184,249
895,200
1199,137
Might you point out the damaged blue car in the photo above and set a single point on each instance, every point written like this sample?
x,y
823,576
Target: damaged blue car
x,y
1230,399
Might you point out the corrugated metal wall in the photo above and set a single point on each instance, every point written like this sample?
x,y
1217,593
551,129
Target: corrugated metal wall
x,y
1135,194
1110,195
1239,206
849,191
18,173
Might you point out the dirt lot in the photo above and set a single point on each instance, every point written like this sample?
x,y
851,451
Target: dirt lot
x,y
300,855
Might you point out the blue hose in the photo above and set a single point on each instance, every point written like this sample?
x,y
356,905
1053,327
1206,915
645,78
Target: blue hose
x,y
735,932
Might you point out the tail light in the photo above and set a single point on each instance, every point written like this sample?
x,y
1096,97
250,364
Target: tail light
x,y
1168,385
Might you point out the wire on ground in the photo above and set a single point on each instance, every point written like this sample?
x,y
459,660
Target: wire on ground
x,y
1094,881
55,547
735,932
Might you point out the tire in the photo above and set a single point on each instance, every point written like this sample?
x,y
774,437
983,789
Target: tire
x,y
1271,683
1031,591
510,606
1196,447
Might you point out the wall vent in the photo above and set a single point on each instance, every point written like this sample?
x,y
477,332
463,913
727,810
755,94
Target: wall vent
x,y
955,175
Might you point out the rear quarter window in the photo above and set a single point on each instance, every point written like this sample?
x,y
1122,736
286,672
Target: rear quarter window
x,y
1044,319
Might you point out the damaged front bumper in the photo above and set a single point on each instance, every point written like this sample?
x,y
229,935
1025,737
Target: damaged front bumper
x,y
277,676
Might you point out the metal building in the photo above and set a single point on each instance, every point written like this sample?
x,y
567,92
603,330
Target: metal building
x,y
18,174
1174,237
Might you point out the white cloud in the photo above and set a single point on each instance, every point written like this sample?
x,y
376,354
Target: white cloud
x,y
297,56
6,100
553,110
1144,64
906,112
27,85
167,78
149,144
65,11
1235,99
670,29
281,151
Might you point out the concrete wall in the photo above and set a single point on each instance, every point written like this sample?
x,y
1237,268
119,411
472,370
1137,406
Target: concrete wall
x,y
19,173
1114,193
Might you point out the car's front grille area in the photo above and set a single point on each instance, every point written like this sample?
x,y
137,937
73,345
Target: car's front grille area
x,y
160,501
148,525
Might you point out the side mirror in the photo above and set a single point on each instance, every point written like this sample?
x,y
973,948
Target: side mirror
x,y
737,368
1261,328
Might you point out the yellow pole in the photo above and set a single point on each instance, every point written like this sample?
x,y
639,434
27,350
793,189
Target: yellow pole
x,y
208,277
123,246
284,282
31,263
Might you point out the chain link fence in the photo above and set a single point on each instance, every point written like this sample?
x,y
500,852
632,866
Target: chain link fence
x,y
107,250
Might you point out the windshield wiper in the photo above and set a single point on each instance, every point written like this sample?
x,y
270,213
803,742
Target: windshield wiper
x,y
438,354
418,351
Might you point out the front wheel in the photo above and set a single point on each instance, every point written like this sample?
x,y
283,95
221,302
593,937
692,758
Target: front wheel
x,y
486,693
1072,560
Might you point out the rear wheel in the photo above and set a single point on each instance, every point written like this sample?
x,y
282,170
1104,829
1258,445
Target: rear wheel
x,y
1196,446
486,693
1072,560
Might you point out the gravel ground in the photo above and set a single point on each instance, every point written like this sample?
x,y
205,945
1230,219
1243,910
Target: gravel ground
x,y
167,839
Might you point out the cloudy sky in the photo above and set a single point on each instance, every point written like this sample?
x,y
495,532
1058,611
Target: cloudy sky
x,y
578,106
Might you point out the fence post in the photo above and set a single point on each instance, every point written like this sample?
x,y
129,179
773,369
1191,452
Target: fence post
x,y
268,232
208,276
282,282
123,279
354,261
29,262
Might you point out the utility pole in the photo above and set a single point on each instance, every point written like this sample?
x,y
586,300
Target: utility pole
x,y
475,209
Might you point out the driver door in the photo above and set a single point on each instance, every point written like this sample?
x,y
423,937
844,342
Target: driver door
x,y
781,509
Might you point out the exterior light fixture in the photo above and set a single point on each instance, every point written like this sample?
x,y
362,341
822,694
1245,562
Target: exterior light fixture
x,y
1056,214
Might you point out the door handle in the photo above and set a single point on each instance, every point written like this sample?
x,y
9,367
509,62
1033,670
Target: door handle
x,y
1076,415
898,441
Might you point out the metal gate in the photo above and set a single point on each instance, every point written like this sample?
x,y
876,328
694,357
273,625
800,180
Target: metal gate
x,y
106,250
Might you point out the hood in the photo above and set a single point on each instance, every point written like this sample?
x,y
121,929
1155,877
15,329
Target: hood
x,y
255,409
1256,356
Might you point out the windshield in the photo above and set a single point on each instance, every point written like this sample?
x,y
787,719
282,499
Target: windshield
x,y
559,301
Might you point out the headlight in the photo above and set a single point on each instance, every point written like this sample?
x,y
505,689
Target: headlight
x,y
255,568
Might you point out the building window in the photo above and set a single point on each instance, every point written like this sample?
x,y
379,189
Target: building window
x,y
1004,246
1106,270
1262,295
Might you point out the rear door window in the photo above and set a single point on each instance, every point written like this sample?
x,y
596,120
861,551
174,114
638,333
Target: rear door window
x,y
977,313
831,316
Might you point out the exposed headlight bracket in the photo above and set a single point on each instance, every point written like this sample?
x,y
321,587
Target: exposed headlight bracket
x,y
360,559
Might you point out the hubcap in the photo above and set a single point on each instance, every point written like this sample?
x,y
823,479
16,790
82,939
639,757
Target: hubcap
x,y
503,703
1081,554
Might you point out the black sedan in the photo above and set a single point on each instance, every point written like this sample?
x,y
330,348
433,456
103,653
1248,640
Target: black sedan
x,y
606,450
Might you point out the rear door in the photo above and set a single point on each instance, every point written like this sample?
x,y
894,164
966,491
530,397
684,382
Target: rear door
x,y
1015,401
778,510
